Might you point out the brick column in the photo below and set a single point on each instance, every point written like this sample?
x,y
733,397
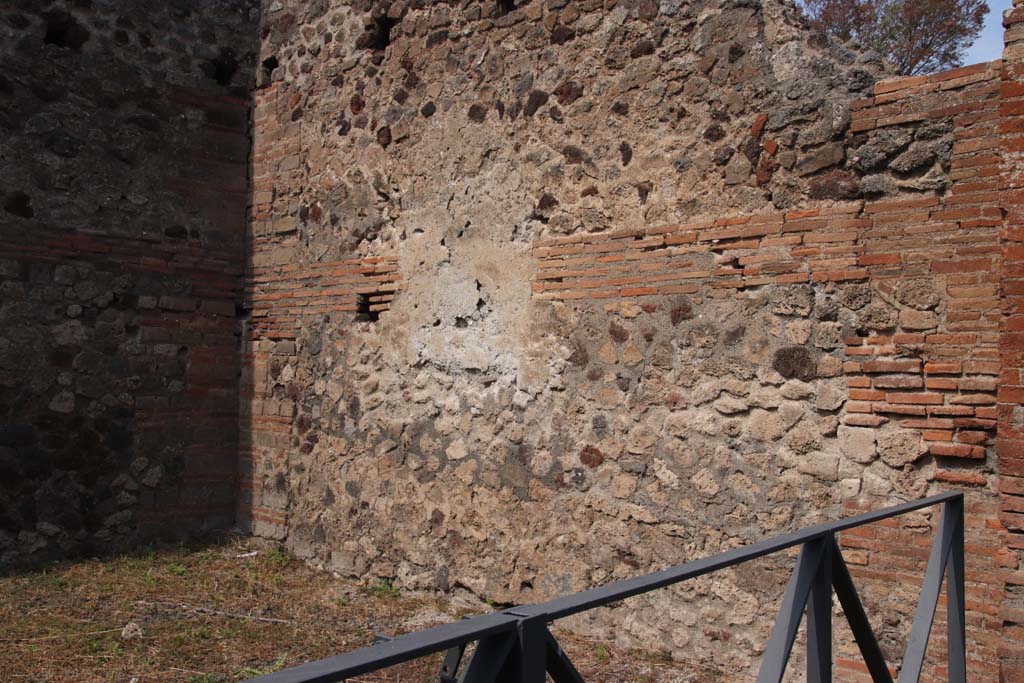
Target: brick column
x,y
1010,443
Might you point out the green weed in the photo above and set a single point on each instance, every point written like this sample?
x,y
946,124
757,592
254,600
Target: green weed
x,y
252,672
177,569
280,557
381,589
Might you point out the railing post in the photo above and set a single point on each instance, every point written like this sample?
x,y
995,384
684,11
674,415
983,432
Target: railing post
x,y
956,636
527,662
819,619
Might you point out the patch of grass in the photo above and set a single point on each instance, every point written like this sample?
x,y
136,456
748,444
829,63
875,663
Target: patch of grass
x,y
280,557
101,645
228,631
177,569
143,559
252,672
193,635
382,588
601,653
49,579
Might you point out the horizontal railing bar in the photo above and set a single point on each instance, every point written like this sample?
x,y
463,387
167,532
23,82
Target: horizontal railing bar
x,y
395,651
627,588
887,513
438,638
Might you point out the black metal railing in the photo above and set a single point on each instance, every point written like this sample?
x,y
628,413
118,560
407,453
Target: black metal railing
x,y
515,645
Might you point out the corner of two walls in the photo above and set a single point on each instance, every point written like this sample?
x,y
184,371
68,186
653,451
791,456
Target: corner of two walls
x,y
632,375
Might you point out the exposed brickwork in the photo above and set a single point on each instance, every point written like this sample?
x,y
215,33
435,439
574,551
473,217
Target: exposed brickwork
x,y
281,296
934,372
1010,445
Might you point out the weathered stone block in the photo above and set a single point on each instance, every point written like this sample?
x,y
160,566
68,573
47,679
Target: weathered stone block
x,y
899,448
765,425
821,158
857,443
830,396
820,465
919,294
795,362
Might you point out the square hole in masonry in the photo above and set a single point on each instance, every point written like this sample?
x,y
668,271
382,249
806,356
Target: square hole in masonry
x,y
363,309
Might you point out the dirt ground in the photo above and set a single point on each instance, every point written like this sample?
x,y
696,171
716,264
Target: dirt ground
x,y
228,612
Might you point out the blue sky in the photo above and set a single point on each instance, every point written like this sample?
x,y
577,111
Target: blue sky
x,y
989,44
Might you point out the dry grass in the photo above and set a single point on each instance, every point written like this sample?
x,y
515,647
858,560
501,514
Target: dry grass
x,y
224,613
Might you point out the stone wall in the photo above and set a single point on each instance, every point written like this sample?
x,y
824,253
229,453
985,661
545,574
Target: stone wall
x,y
545,294
534,295
124,144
